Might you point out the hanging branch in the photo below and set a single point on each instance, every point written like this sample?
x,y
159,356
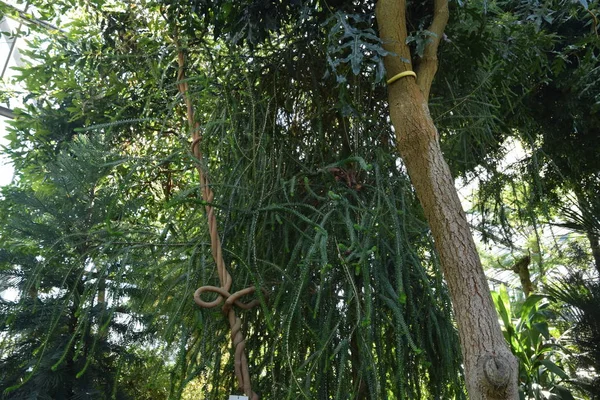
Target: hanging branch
x,y
237,337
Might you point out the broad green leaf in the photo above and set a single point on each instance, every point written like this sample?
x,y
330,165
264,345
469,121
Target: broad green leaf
x,y
555,369
530,304
562,392
542,327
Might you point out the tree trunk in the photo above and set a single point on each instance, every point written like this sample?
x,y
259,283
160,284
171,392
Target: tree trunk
x,y
595,246
521,267
101,301
588,226
491,370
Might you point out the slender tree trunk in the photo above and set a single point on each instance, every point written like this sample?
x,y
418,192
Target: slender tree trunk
x,y
595,246
101,300
521,267
490,368
584,207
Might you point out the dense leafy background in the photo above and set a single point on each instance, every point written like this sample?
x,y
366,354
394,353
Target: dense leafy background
x,y
105,236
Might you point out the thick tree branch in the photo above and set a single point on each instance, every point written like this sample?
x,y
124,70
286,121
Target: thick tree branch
x,y
490,368
429,63
391,18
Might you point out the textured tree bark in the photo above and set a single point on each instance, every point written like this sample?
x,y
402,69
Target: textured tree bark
x,y
491,370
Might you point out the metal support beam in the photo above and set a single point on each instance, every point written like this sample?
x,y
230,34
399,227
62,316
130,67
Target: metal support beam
x,y
31,20
13,51
7,112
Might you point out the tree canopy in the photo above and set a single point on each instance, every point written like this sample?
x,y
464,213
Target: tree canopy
x,y
106,236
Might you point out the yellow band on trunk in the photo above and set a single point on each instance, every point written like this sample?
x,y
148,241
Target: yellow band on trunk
x,y
401,75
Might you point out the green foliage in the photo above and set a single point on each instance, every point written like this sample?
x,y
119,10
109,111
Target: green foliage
x,y
527,330
59,325
420,39
581,315
312,203
358,47
538,74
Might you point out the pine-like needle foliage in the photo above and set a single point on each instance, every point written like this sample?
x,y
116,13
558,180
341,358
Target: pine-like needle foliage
x,y
60,335
355,301
312,203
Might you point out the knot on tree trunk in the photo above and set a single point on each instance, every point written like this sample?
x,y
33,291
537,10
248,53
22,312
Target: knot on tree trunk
x,y
496,373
